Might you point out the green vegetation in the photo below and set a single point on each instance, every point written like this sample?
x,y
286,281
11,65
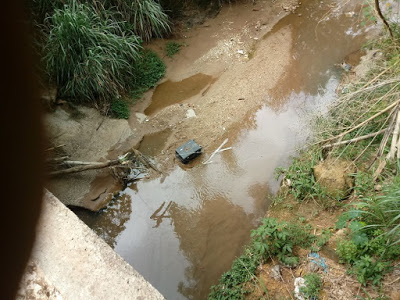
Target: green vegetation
x,y
120,109
313,286
172,48
361,127
92,50
232,283
272,240
84,56
300,174
374,239
278,239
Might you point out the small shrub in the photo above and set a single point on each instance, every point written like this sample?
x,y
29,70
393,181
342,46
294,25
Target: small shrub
x,y
231,283
120,109
368,269
300,174
313,286
172,48
275,238
148,70
347,251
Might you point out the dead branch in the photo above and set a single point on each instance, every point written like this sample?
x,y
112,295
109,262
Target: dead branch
x,y
360,138
378,10
55,147
388,132
57,159
124,161
86,166
395,136
362,123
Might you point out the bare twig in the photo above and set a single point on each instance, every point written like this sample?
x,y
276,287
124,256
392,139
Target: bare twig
x,y
393,145
85,167
55,147
360,138
378,10
362,123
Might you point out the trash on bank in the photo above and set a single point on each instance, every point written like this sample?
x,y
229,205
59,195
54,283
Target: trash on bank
x,y
188,151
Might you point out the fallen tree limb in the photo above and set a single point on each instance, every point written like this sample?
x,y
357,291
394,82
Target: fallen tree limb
x,y
360,138
86,166
124,161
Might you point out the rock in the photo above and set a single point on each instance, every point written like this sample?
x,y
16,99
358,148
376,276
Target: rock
x,y
190,113
140,117
276,272
334,176
378,187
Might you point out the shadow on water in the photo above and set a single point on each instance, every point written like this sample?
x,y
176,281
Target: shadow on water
x,y
183,233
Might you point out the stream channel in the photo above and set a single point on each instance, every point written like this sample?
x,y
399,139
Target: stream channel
x,y
181,233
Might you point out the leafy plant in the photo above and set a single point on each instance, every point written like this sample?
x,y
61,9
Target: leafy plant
x,y
313,286
275,238
120,109
300,175
368,269
172,48
148,70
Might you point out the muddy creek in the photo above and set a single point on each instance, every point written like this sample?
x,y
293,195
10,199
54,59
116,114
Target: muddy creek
x,y
183,231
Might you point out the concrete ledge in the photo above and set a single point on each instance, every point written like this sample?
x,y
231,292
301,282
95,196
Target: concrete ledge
x,y
77,263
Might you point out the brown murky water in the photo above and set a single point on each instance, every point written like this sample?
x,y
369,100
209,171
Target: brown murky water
x,y
182,233
170,92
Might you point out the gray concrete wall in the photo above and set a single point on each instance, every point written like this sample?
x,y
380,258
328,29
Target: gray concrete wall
x,y
74,263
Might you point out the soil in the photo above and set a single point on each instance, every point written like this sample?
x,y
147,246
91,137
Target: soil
x,y
337,284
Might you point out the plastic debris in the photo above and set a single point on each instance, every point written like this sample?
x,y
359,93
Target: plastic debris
x,y
299,282
319,261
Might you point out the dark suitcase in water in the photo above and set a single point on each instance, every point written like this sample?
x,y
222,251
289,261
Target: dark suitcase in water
x,y
188,151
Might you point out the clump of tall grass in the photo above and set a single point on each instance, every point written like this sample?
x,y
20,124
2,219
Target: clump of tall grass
x,y
86,57
146,18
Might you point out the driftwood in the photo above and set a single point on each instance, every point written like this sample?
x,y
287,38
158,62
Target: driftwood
x,y
84,166
124,161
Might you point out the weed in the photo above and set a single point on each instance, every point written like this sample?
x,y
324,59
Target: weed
x,y
148,70
172,48
368,269
313,286
275,238
300,177
120,109
232,283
